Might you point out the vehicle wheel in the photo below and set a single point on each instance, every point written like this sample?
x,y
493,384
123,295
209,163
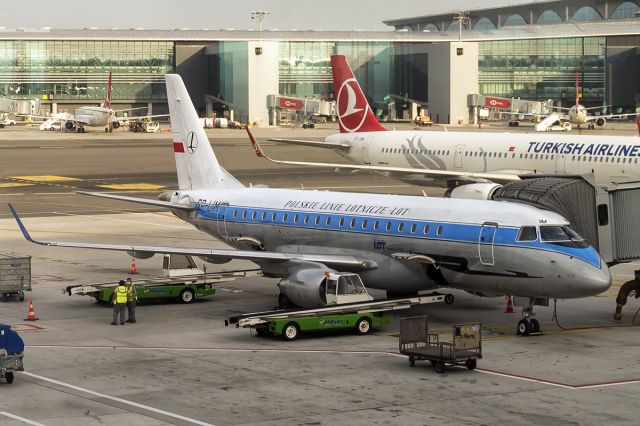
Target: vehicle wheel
x,y
52,129
187,296
9,377
524,327
471,364
363,326
412,361
449,299
21,296
290,332
535,325
439,366
262,331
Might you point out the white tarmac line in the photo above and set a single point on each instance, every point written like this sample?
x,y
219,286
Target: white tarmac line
x,y
113,398
329,351
22,419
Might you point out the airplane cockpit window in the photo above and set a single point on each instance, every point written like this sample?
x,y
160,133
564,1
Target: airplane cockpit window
x,y
562,235
527,233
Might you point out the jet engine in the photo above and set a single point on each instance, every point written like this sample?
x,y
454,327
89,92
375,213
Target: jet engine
x,y
474,191
305,288
69,125
601,121
115,124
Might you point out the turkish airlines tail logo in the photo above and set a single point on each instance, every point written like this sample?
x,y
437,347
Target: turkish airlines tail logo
x,y
354,113
107,101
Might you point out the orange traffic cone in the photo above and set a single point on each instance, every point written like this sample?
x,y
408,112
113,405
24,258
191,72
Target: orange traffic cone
x,y
31,314
509,309
134,270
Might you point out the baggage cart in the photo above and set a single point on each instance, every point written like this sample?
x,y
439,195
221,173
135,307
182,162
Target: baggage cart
x,y
15,275
11,353
464,348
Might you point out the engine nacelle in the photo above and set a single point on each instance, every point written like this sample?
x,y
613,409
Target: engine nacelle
x,y
474,191
306,287
601,121
69,125
115,124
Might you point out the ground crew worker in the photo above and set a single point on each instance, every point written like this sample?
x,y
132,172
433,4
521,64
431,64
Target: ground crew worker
x,y
132,298
119,303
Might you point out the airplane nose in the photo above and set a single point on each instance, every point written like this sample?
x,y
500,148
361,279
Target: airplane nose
x,y
597,280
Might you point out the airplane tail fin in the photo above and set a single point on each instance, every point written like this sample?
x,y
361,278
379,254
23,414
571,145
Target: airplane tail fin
x,y
354,112
577,91
107,101
196,162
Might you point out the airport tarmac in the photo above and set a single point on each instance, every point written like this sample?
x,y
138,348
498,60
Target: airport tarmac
x,y
180,365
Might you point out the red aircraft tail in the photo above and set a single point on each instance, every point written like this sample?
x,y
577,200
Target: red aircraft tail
x,y
354,112
577,91
107,101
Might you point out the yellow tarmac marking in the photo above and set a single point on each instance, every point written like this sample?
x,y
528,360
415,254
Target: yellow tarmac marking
x,y
14,184
132,186
46,178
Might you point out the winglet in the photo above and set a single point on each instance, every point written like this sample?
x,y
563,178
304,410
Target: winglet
x,y
25,233
256,147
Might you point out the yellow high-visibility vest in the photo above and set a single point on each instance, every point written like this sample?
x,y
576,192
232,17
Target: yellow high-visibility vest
x,y
132,293
121,294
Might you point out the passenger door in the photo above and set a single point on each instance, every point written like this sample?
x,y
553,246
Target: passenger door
x,y
485,243
220,213
457,159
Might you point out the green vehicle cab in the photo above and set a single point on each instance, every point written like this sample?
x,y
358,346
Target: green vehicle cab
x,y
183,292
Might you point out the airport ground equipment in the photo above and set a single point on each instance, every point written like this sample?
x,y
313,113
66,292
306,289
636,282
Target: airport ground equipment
x,y
15,275
630,288
11,353
418,344
362,317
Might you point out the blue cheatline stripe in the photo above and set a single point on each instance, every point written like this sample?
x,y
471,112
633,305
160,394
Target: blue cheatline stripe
x,y
440,231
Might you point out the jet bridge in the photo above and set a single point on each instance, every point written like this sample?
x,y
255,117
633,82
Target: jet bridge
x,y
606,216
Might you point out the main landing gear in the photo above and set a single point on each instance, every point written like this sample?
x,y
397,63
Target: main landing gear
x,y
528,324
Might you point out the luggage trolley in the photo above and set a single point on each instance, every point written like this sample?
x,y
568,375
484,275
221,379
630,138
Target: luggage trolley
x,y
11,353
464,348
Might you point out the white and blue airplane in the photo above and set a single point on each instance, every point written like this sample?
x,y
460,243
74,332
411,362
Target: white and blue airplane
x,y
401,244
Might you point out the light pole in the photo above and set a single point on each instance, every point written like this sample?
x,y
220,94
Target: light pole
x,y
463,18
259,15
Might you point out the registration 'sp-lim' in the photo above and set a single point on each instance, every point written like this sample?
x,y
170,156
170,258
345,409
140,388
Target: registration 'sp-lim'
x,y
395,243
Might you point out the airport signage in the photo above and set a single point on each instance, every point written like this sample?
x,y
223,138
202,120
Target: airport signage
x,y
497,102
290,103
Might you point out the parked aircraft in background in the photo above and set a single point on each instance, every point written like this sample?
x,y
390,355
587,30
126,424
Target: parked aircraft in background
x,y
400,244
471,164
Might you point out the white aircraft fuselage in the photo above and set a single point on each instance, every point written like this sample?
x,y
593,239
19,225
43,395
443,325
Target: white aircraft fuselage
x,y
93,116
610,159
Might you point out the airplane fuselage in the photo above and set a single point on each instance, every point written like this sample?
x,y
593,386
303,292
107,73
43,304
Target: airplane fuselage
x,y
93,116
475,244
610,159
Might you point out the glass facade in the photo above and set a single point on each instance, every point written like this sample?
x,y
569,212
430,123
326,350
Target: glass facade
x,y
544,69
78,69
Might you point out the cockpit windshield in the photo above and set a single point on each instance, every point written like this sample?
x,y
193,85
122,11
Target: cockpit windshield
x,y
562,235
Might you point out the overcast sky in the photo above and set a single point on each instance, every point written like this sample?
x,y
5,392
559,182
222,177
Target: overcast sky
x,y
216,14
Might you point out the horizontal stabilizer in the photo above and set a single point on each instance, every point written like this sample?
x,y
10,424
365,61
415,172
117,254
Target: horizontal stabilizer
x,y
158,203
316,144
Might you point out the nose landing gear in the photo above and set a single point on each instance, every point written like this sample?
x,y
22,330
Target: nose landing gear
x,y
529,324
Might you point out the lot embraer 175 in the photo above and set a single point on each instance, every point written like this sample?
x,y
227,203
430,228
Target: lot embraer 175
x,y
396,243
472,163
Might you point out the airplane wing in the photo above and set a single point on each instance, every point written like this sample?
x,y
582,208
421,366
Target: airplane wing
x,y
426,173
139,118
609,116
352,262
129,109
316,144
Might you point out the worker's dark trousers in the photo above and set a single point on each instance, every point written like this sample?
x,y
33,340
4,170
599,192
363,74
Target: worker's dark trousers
x,y
131,307
118,309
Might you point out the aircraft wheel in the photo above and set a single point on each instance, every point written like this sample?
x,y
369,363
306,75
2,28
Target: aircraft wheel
x,y
290,332
363,326
439,366
449,299
524,327
535,325
187,296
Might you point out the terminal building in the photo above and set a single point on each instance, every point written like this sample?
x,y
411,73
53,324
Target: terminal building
x,y
530,51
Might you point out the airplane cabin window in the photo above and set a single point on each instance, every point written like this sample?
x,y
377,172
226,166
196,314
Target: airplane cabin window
x,y
285,217
235,214
352,224
341,222
264,216
439,230
244,214
317,220
375,225
527,233
328,222
306,219
253,215
400,227
273,217
413,228
295,218
388,227
364,224
425,230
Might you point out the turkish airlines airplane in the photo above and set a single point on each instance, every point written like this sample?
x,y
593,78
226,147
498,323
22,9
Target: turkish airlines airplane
x,y
472,163
395,243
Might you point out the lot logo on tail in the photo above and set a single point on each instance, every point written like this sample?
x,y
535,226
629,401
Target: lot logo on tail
x,y
352,110
192,142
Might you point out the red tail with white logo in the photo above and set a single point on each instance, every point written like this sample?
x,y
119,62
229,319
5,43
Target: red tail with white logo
x,y
577,91
107,101
354,113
